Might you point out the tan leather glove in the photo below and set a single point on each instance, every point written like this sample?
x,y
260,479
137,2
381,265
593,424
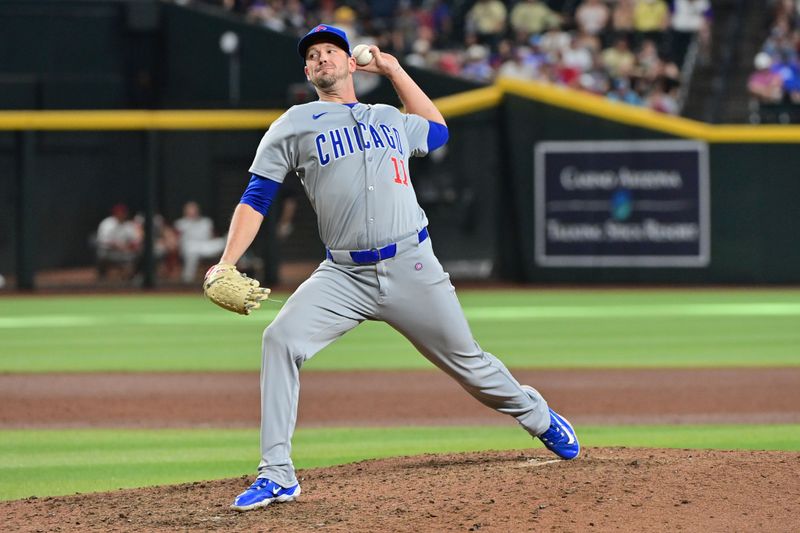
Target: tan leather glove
x,y
232,290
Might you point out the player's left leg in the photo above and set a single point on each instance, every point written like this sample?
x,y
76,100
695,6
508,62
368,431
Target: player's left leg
x,y
330,303
420,302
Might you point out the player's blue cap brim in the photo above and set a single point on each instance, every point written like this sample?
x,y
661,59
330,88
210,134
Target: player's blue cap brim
x,y
323,33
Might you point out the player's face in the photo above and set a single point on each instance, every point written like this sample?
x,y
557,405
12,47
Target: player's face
x,y
327,65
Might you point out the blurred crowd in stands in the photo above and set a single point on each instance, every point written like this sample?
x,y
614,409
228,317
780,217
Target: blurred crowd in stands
x,y
119,243
628,50
183,249
776,79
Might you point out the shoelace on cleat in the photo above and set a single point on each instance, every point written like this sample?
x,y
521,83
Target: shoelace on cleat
x,y
553,429
260,483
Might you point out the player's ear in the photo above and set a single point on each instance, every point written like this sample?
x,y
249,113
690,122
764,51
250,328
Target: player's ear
x,y
305,71
351,64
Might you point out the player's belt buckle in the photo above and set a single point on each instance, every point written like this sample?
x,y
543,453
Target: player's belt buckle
x,y
387,252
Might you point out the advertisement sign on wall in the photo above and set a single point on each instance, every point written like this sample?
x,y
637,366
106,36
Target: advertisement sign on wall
x,y
622,204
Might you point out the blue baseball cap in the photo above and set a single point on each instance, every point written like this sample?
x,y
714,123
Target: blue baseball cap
x,y
323,33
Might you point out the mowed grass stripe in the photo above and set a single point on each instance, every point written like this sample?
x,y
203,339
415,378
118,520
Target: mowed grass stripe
x,y
472,313
526,329
56,462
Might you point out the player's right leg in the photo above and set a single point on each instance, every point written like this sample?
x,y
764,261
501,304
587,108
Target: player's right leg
x,y
327,305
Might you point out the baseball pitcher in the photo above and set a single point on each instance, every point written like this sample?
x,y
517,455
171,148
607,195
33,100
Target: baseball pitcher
x,y
353,162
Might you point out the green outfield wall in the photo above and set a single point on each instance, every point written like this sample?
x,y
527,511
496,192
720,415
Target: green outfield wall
x,y
480,193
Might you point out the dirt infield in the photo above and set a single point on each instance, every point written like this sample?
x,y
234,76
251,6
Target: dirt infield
x,y
604,490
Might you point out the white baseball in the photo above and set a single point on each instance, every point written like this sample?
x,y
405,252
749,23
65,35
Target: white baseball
x,y
362,54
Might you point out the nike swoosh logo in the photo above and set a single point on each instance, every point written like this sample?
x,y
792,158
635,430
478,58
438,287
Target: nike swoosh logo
x,y
276,490
315,117
566,430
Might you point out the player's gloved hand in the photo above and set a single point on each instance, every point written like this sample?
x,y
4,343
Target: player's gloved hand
x,y
232,290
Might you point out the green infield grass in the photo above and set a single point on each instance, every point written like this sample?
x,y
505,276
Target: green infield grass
x,y
57,462
525,328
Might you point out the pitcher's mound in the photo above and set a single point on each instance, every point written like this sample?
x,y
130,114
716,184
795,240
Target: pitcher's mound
x,y
606,489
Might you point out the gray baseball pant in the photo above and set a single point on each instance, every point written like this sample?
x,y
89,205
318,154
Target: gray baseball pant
x,y
412,293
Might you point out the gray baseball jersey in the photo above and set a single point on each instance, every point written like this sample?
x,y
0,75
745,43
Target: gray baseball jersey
x,y
353,163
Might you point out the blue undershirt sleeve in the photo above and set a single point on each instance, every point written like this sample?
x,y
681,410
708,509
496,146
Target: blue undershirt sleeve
x,y
259,193
437,135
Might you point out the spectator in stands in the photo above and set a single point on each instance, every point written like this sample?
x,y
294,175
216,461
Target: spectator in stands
x,y
776,79
522,64
119,243
765,84
789,70
623,92
505,51
622,19
165,245
567,74
532,17
420,55
421,32
548,73
554,42
595,80
648,63
618,60
295,16
442,20
449,62
345,18
406,29
267,14
197,241
591,42
690,18
781,40
663,97
577,57
651,20
487,22
476,64
592,17
785,11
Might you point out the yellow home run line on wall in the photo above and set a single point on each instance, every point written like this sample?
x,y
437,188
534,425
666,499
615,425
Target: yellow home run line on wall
x,y
138,120
450,106
470,102
599,106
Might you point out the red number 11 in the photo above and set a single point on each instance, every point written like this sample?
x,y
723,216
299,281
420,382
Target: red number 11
x,y
397,179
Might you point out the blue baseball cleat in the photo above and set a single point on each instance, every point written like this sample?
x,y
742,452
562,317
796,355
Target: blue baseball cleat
x,y
262,493
560,438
